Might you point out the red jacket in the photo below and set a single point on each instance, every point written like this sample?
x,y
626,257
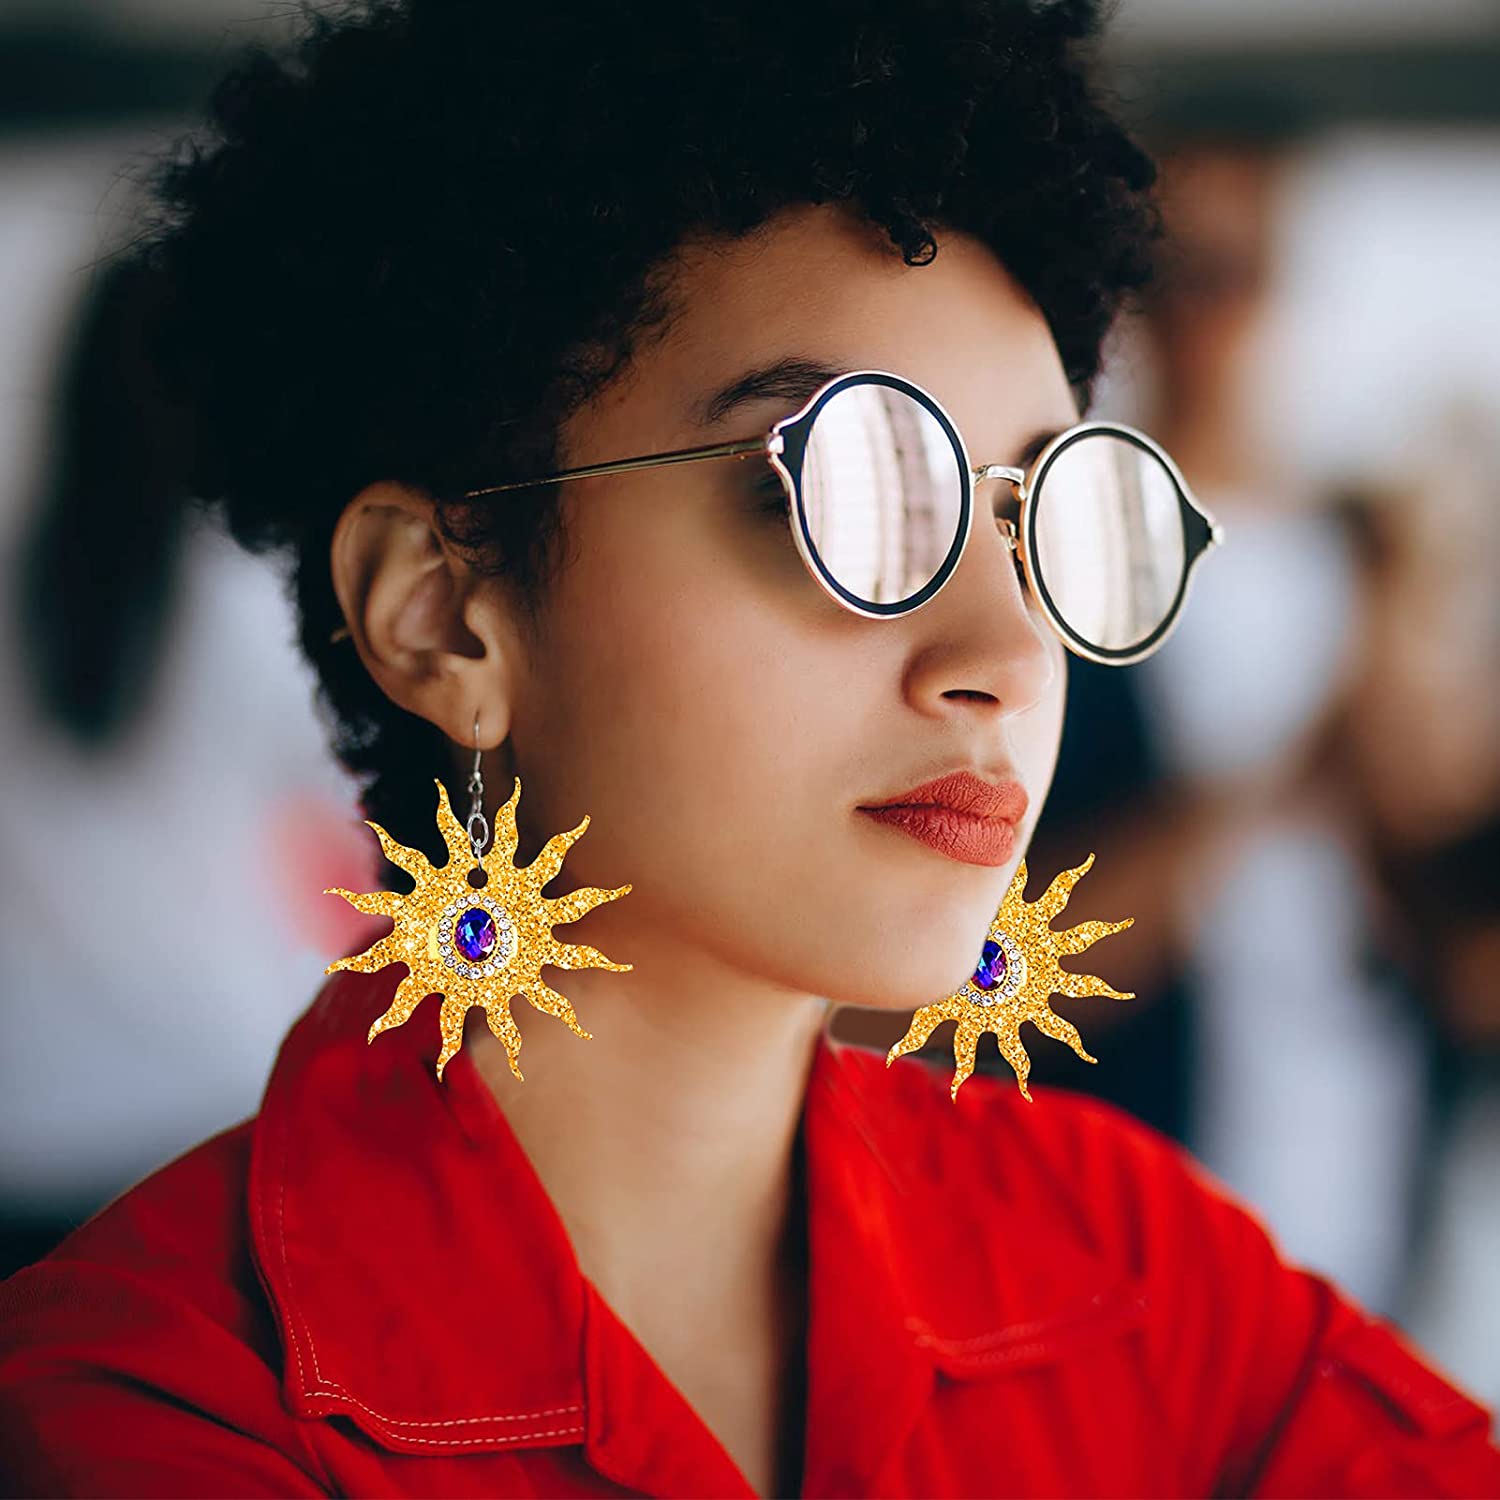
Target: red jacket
x,y
365,1290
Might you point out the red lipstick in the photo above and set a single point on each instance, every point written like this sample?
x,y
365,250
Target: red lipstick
x,y
960,815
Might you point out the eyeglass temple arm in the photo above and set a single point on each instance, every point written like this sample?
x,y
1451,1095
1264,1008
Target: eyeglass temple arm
x,y
772,443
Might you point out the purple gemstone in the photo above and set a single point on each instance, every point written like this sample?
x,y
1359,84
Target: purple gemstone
x,y
474,934
991,970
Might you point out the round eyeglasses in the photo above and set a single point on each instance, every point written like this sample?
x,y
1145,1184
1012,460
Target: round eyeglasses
x,y
880,495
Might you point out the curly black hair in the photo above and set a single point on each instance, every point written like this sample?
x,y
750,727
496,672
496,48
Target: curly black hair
x,y
413,240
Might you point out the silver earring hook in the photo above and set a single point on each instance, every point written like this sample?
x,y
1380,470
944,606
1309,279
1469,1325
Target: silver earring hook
x,y
477,840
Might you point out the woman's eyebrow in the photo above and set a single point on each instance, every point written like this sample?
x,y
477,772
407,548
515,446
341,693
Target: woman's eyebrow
x,y
792,378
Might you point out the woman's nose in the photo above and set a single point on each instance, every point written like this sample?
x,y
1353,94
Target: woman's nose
x,y
979,634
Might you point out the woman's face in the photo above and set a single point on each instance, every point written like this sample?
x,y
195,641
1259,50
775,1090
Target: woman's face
x,y
718,717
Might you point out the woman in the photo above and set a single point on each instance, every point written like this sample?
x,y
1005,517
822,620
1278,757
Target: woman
x,y
448,249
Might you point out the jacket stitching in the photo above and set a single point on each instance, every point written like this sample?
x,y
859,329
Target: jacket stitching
x,y
1005,1342
327,1387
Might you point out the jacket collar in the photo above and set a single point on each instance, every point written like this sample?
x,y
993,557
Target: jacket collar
x,y
425,1287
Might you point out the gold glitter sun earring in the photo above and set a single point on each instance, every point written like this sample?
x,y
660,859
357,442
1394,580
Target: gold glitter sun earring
x,y
477,945
1016,973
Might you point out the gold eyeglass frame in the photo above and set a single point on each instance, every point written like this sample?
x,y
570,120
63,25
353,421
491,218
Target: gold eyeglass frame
x,y
784,444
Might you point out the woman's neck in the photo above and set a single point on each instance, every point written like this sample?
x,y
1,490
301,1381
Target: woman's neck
x,y
667,1144
687,1098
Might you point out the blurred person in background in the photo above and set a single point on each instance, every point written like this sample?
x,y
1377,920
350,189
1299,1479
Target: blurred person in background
x,y
163,763
439,246
1414,746
1307,1075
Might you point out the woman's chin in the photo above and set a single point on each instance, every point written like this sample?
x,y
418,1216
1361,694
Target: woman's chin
x,y
897,986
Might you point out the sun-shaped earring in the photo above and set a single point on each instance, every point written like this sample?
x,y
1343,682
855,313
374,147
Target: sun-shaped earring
x,y
477,945
1017,972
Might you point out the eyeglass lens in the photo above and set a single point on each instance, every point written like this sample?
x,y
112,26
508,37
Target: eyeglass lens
x,y
1110,548
882,492
883,489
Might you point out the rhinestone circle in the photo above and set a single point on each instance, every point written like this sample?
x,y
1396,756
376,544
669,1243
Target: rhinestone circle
x,y
1012,980
505,937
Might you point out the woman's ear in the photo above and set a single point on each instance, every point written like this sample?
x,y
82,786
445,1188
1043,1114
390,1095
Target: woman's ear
x,y
436,642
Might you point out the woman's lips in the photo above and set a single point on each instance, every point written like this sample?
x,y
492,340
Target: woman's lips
x,y
960,814
959,835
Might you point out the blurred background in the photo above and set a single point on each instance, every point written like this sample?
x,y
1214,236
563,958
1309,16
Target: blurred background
x,y
1297,799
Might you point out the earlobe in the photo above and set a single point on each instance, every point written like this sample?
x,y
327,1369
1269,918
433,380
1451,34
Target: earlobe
x,y
406,598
